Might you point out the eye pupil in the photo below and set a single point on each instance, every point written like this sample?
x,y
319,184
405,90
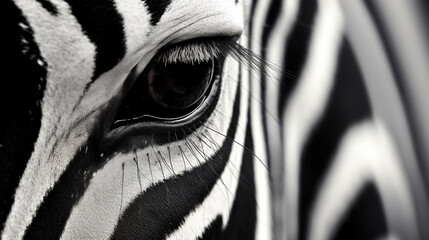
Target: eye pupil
x,y
179,85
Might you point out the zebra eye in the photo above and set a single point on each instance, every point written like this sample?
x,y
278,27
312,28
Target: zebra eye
x,y
178,86
169,90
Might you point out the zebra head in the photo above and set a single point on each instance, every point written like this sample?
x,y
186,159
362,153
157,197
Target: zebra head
x,y
114,127
214,119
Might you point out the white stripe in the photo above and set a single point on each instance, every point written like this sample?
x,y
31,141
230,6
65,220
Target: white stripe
x,y
136,24
308,101
263,227
365,154
52,33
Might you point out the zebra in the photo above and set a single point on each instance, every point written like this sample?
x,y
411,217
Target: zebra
x,y
180,119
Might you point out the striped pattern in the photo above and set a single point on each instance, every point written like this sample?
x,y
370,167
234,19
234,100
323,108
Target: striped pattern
x,y
333,152
313,142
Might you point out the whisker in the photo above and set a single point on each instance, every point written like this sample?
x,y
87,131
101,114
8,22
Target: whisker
x,y
181,151
138,175
220,156
198,150
183,158
187,159
150,168
253,153
166,164
163,175
169,156
122,190
162,159
192,151
211,166
260,102
160,164
244,181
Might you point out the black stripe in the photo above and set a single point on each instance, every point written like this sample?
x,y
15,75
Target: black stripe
x,y
103,25
272,15
48,6
250,37
53,213
365,219
156,9
168,203
23,75
296,49
347,106
242,221
214,230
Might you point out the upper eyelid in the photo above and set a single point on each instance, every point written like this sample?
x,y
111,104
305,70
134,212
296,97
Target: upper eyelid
x,y
196,50
190,53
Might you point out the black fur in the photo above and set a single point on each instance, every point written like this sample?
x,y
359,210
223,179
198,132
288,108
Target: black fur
x,y
52,215
365,219
214,230
103,25
156,9
242,221
23,74
48,6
